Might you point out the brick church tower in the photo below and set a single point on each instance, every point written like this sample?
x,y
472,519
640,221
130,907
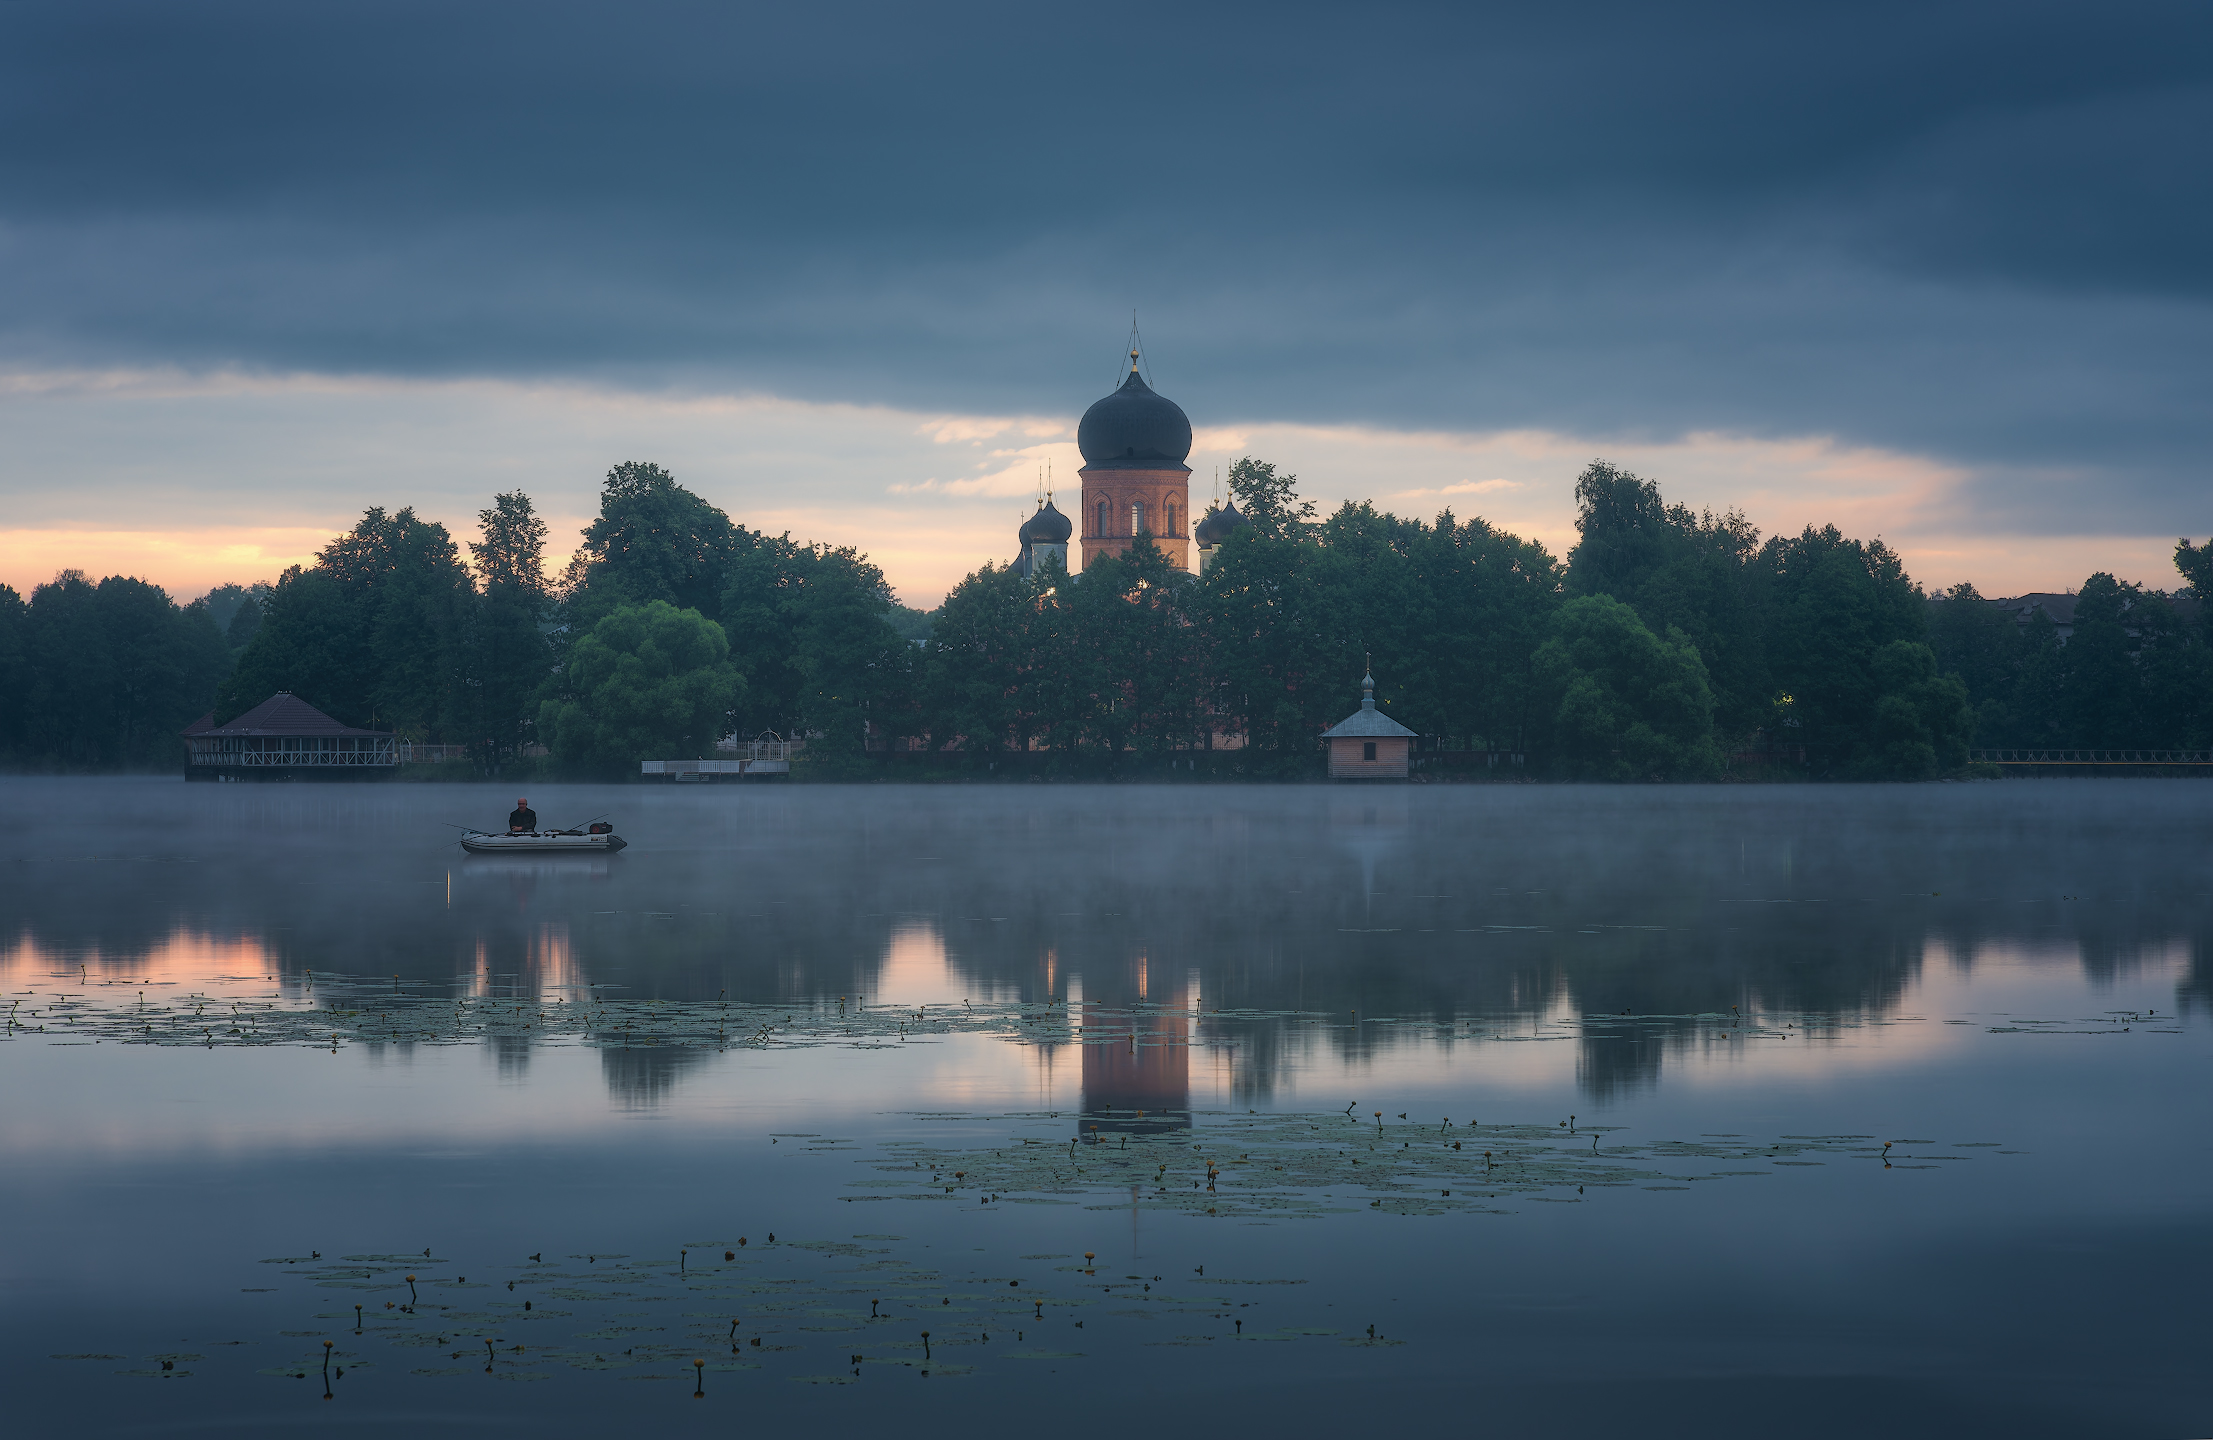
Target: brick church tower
x,y
1134,480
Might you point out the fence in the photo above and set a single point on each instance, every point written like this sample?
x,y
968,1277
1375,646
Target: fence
x,y
768,747
2054,755
1469,761
412,754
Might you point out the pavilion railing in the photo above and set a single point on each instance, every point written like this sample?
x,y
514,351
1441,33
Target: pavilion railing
x,y
377,754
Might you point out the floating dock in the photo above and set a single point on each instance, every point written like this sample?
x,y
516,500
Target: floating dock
x,y
704,772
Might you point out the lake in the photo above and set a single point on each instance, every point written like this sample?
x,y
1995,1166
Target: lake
x,y
1578,1111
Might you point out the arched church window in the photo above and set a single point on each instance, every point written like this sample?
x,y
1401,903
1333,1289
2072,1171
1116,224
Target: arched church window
x,y
1101,530
1168,519
1137,517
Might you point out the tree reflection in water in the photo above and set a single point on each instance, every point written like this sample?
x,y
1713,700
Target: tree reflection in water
x,y
1477,907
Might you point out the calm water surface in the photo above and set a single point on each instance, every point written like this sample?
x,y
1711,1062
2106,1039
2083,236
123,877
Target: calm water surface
x,y
2008,981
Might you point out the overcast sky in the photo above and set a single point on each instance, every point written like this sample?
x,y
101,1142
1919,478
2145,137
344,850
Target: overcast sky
x,y
1938,272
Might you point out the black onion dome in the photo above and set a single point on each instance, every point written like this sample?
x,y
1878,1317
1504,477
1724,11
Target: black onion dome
x,y
1215,528
1047,527
1135,428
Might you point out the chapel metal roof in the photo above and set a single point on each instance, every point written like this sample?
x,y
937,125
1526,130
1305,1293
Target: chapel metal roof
x,y
1367,722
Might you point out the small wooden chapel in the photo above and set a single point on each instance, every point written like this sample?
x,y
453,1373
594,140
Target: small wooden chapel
x,y
1368,744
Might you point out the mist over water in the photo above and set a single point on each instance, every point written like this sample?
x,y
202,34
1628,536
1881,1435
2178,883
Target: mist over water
x,y
1663,963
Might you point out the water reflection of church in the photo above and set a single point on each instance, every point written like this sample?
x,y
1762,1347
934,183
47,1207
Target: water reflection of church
x,y
1140,1085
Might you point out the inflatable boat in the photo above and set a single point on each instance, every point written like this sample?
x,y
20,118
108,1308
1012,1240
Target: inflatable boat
x,y
596,840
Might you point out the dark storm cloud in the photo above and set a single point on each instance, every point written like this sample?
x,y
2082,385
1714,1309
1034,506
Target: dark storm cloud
x,y
1976,231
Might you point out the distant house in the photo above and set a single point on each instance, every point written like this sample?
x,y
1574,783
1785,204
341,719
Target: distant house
x,y
2060,610
1368,744
285,738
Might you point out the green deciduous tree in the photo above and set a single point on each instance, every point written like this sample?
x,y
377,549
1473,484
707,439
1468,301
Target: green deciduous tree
x,y
16,674
1453,612
810,628
760,591
653,540
977,663
509,654
108,672
404,574
375,634
1697,572
1281,658
853,666
245,623
2195,563
647,682
1623,703
312,642
2101,682
2177,666
1131,674
1922,719
1833,604
236,611
1989,650
1269,502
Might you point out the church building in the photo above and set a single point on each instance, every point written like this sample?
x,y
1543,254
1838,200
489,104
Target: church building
x,y
1134,443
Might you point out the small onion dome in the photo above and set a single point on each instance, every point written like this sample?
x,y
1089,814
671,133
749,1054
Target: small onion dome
x,y
1047,527
1135,428
1215,528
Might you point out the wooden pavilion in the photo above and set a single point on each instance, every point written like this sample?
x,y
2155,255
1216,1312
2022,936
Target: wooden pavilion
x,y
285,738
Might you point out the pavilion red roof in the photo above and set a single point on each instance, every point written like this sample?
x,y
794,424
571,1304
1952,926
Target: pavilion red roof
x,y
283,713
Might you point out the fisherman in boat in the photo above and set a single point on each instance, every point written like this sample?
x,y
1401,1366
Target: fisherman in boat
x,y
524,821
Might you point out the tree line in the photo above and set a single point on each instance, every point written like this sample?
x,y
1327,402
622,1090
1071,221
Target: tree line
x,y
1664,641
